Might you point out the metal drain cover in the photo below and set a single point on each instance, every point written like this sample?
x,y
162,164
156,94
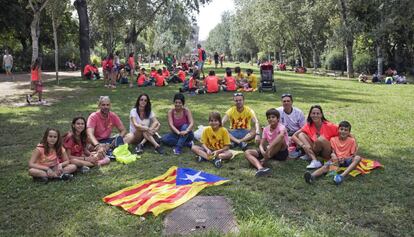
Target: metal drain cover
x,y
200,214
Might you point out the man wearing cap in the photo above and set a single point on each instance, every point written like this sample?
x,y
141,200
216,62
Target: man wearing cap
x,y
100,125
292,118
240,117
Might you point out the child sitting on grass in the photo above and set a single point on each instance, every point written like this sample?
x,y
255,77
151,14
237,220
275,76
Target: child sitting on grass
x,y
273,144
142,79
160,79
49,160
76,144
229,82
215,142
251,79
344,149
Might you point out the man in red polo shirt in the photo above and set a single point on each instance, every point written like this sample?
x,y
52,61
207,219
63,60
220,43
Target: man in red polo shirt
x,y
100,125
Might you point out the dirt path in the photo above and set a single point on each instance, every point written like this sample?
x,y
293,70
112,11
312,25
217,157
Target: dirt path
x,y
13,91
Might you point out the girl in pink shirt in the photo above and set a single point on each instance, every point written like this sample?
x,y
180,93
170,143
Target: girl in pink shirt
x,y
36,82
49,160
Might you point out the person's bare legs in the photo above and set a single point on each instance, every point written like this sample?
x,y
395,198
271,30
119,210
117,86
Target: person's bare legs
x,y
252,156
279,145
37,173
226,155
352,166
321,171
69,169
80,163
151,139
198,150
323,147
307,145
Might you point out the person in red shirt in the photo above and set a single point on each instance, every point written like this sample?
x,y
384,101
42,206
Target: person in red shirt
x,y
229,81
159,79
314,137
91,72
211,82
142,79
131,65
165,72
200,58
181,74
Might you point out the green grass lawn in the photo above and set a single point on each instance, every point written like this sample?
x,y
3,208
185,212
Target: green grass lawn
x,y
378,204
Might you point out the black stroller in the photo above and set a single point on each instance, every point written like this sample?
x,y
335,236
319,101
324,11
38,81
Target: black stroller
x,y
266,77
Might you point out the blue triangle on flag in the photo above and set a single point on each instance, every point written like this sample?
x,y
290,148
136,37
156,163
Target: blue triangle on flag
x,y
188,176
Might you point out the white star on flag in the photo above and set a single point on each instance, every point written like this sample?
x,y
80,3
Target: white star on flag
x,y
192,178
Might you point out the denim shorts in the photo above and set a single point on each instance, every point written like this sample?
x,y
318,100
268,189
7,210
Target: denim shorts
x,y
239,133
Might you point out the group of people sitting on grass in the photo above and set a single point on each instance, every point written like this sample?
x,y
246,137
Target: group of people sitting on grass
x,y
287,135
214,84
390,77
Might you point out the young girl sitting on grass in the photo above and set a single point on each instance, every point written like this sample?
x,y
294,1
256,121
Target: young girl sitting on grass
x,y
49,160
215,142
76,145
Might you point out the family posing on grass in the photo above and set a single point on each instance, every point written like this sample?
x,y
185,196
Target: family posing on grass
x,y
288,135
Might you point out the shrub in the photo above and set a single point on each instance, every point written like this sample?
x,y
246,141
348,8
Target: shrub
x,y
364,63
334,60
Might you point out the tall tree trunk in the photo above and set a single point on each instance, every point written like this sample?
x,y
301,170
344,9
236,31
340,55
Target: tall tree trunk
x,y
55,40
349,59
314,58
380,60
35,32
82,9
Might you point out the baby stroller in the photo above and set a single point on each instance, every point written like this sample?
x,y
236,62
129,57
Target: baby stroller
x,y
266,77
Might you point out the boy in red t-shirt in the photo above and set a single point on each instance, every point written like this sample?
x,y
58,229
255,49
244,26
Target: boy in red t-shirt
x,y
344,149
142,79
229,81
159,78
211,82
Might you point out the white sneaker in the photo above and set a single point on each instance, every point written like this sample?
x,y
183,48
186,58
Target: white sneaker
x,y
305,157
314,164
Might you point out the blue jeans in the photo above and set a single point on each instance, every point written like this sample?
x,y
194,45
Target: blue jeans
x,y
239,133
172,139
117,141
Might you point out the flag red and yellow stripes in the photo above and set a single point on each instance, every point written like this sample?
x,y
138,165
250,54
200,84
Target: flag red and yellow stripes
x,y
364,167
156,195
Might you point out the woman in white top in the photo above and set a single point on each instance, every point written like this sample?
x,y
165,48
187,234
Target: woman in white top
x,y
143,125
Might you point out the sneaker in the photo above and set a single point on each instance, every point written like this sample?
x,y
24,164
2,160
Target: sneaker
x,y
305,157
84,169
66,177
189,144
294,154
177,150
314,164
308,177
263,172
200,159
28,99
111,156
118,141
217,163
338,179
243,146
40,179
159,150
139,149
42,102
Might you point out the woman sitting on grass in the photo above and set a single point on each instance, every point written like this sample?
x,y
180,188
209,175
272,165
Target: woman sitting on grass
x,y
314,137
143,126
76,145
215,142
181,124
49,160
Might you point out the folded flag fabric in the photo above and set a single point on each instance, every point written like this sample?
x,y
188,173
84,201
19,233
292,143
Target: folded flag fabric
x,y
364,167
167,191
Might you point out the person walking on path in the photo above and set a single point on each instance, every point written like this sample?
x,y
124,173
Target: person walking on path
x,y
8,63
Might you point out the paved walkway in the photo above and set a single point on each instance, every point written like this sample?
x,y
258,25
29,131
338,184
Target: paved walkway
x,y
15,89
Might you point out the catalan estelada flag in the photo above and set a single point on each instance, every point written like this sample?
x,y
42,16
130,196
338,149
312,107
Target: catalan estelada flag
x,y
167,191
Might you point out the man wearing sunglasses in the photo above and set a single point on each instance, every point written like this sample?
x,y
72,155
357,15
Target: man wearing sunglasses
x,y
240,117
293,119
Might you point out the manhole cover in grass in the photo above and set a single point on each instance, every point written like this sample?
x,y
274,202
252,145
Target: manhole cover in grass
x,y
200,214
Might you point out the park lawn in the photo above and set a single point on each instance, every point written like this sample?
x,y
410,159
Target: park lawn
x,y
380,203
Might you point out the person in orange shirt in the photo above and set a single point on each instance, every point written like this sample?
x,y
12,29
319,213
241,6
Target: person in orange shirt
x,y
314,137
229,81
159,79
36,82
142,79
344,149
211,82
165,72
49,160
